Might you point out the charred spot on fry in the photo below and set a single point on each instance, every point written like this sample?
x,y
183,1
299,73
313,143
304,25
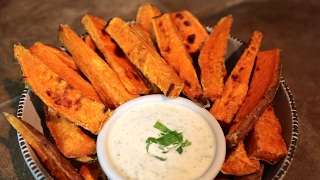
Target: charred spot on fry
x,y
105,109
187,83
187,23
118,52
171,87
179,15
234,77
191,38
48,92
59,79
201,98
168,49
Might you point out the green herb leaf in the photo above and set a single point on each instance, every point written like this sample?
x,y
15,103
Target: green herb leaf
x,y
149,141
161,127
186,143
160,158
169,139
179,150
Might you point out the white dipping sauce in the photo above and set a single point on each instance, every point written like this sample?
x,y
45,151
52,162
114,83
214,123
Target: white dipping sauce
x,y
127,143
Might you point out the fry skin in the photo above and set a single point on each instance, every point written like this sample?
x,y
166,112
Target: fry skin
x,y
237,84
263,87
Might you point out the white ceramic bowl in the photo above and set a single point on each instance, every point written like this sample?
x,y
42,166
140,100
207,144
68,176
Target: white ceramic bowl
x,y
102,143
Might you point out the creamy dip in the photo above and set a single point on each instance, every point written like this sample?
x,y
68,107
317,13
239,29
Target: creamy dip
x,y
126,143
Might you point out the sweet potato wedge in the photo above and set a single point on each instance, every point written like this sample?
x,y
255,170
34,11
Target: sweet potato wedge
x,y
144,15
127,72
173,51
89,41
58,166
144,34
237,83
92,171
263,87
64,56
146,59
57,94
265,141
105,81
192,32
71,140
238,163
212,59
61,69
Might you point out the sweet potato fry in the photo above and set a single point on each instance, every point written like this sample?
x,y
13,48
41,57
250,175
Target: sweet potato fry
x,y
212,59
58,166
61,69
57,94
64,56
89,41
265,142
127,72
173,51
144,34
263,87
192,32
237,84
105,81
92,171
71,140
144,15
146,59
146,37
238,163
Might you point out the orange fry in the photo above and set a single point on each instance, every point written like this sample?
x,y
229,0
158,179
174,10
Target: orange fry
x,y
59,95
192,32
144,15
127,72
146,59
212,59
237,84
58,166
102,77
56,65
64,56
173,51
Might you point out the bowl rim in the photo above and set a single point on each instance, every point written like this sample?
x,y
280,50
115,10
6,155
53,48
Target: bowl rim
x,y
220,150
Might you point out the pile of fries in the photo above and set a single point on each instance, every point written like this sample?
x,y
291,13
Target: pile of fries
x,y
118,61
